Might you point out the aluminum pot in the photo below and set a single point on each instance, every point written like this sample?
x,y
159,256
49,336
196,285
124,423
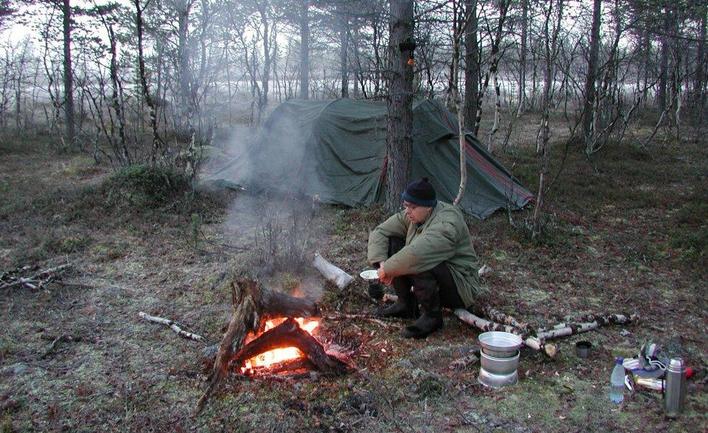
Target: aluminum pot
x,y
499,344
501,366
497,380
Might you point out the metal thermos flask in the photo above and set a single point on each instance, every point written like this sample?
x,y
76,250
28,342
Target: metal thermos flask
x,y
675,391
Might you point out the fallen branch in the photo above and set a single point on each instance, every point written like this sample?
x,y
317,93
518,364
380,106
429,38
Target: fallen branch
x,y
331,272
606,319
344,316
37,280
537,344
55,341
172,325
566,329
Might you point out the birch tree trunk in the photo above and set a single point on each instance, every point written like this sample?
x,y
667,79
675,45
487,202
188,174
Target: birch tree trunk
x,y
494,62
699,87
591,77
522,56
551,50
142,78
183,58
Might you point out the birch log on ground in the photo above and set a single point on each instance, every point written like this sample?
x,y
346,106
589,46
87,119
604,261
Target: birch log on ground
x,y
598,320
606,319
499,317
332,272
485,325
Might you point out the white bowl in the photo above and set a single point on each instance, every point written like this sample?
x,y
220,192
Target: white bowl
x,y
370,274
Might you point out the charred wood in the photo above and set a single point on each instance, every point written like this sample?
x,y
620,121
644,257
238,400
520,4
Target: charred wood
x,y
289,334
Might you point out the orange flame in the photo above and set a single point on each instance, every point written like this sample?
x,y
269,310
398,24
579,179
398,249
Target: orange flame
x,y
266,359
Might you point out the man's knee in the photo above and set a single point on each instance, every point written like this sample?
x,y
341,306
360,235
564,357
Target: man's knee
x,y
425,286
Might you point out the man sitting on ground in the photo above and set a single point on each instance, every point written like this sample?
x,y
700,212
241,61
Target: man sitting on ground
x,y
426,253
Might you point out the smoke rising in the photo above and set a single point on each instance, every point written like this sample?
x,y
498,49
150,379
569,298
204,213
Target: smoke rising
x,y
272,217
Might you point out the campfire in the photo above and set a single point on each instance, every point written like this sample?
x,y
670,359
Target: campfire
x,y
270,333
277,359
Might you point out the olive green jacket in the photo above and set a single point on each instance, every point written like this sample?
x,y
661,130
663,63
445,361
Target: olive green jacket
x,y
443,237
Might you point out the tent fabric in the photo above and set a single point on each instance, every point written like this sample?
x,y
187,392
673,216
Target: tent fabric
x,y
335,150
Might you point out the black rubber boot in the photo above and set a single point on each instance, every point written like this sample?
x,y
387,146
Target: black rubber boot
x,y
376,292
426,324
405,305
428,297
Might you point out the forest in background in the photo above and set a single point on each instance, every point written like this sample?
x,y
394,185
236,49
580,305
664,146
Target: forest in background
x,y
165,82
131,82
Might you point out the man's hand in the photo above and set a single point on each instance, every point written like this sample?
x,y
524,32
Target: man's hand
x,y
385,279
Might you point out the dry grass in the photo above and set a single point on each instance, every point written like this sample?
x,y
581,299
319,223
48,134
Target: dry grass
x,y
624,233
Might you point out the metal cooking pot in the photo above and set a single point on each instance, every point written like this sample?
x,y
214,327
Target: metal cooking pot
x,y
500,344
502,366
497,380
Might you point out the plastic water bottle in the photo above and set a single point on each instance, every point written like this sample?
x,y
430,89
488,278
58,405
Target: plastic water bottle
x,y
617,382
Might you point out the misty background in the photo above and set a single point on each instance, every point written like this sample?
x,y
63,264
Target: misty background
x,y
177,83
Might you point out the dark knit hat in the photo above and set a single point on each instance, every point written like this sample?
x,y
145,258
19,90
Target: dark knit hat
x,y
420,192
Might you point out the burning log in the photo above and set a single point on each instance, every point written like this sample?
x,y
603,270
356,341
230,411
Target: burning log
x,y
331,272
289,334
289,366
245,319
253,305
276,304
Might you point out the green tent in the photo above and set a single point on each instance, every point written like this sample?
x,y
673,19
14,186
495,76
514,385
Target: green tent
x,y
335,150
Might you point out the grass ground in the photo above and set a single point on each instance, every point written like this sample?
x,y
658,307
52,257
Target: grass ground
x,y
625,231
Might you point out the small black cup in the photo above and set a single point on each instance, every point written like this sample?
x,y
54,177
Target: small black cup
x,y
582,348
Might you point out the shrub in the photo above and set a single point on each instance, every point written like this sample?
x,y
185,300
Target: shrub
x,y
145,186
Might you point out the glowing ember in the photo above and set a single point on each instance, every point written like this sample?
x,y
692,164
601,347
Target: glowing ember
x,y
266,359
